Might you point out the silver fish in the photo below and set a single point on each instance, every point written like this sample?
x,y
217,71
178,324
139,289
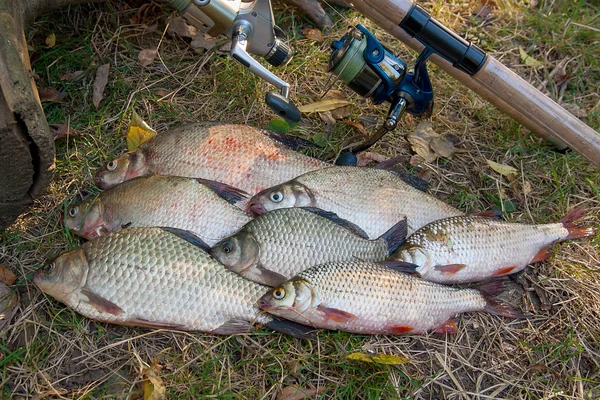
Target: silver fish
x,y
277,245
152,278
196,205
373,199
472,248
365,297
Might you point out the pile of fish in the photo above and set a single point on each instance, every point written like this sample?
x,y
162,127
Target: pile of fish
x,y
217,228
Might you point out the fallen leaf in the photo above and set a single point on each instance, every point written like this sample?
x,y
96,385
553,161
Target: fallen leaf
x,y
484,9
319,139
502,169
99,84
72,76
327,118
279,125
139,132
226,48
51,40
146,14
442,146
153,386
323,105
63,131
420,138
50,94
295,392
6,276
178,26
386,359
358,126
313,34
365,157
8,302
575,110
526,187
528,60
202,42
146,56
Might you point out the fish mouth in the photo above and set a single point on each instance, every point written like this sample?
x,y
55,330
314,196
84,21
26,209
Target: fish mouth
x,y
99,180
256,209
265,305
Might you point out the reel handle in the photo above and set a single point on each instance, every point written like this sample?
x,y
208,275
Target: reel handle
x,y
282,106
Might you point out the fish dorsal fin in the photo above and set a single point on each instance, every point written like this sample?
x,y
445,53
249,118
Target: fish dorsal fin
x,y
101,304
333,217
396,235
231,194
187,236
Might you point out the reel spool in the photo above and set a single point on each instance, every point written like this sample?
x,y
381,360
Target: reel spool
x,y
368,68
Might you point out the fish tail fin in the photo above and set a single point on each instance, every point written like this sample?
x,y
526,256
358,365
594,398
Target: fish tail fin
x,y
396,235
489,291
576,231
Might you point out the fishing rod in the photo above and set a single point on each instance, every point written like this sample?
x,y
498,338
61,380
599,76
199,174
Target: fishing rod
x,y
371,70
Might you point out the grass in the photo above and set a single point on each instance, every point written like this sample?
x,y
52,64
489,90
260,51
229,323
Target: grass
x,y
50,351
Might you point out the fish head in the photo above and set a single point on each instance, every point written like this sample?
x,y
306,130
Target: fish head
x,y
289,299
286,195
239,253
122,168
86,218
63,276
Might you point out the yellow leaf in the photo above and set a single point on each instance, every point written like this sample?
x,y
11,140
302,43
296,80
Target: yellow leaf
x,y
324,105
153,386
502,169
138,133
51,40
528,60
386,359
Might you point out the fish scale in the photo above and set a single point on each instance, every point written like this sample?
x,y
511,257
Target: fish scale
x,y
472,248
290,240
156,279
365,297
374,199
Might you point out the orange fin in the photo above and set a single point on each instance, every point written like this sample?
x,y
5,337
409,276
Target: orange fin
x,y
504,271
153,324
450,268
540,256
497,214
400,329
101,304
576,232
447,327
336,315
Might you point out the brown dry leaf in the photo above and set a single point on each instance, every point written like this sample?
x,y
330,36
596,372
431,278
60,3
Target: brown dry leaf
x,y
386,359
419,141
365,157
313,34
63,131
358,126
153,386
202,42
50,94
51,40
528,60
575,110
484,9
502,169
139,132
8,302
99,84
146,14
442,146
295,392
178,26
323,105
225,48
327,118
6,276
146,56
72,76
526,187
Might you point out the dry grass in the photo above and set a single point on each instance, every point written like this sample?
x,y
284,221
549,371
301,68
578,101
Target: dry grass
x,y
49,351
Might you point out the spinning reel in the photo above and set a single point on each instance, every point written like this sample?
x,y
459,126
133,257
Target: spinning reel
x,y
371,70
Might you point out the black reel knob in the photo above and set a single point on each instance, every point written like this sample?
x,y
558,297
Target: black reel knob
x,y
282,106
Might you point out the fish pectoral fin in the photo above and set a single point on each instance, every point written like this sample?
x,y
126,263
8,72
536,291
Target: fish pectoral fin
x,y
266,276
504,271
153,324
187,236
233,326
231,194
333,314
541,255
449,268
447,327
333,217
402,266
400,329
292,329
101,304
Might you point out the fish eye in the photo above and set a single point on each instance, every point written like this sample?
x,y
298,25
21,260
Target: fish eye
x,y
49,268
111,166
276,196
279,293
73,211
227,247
